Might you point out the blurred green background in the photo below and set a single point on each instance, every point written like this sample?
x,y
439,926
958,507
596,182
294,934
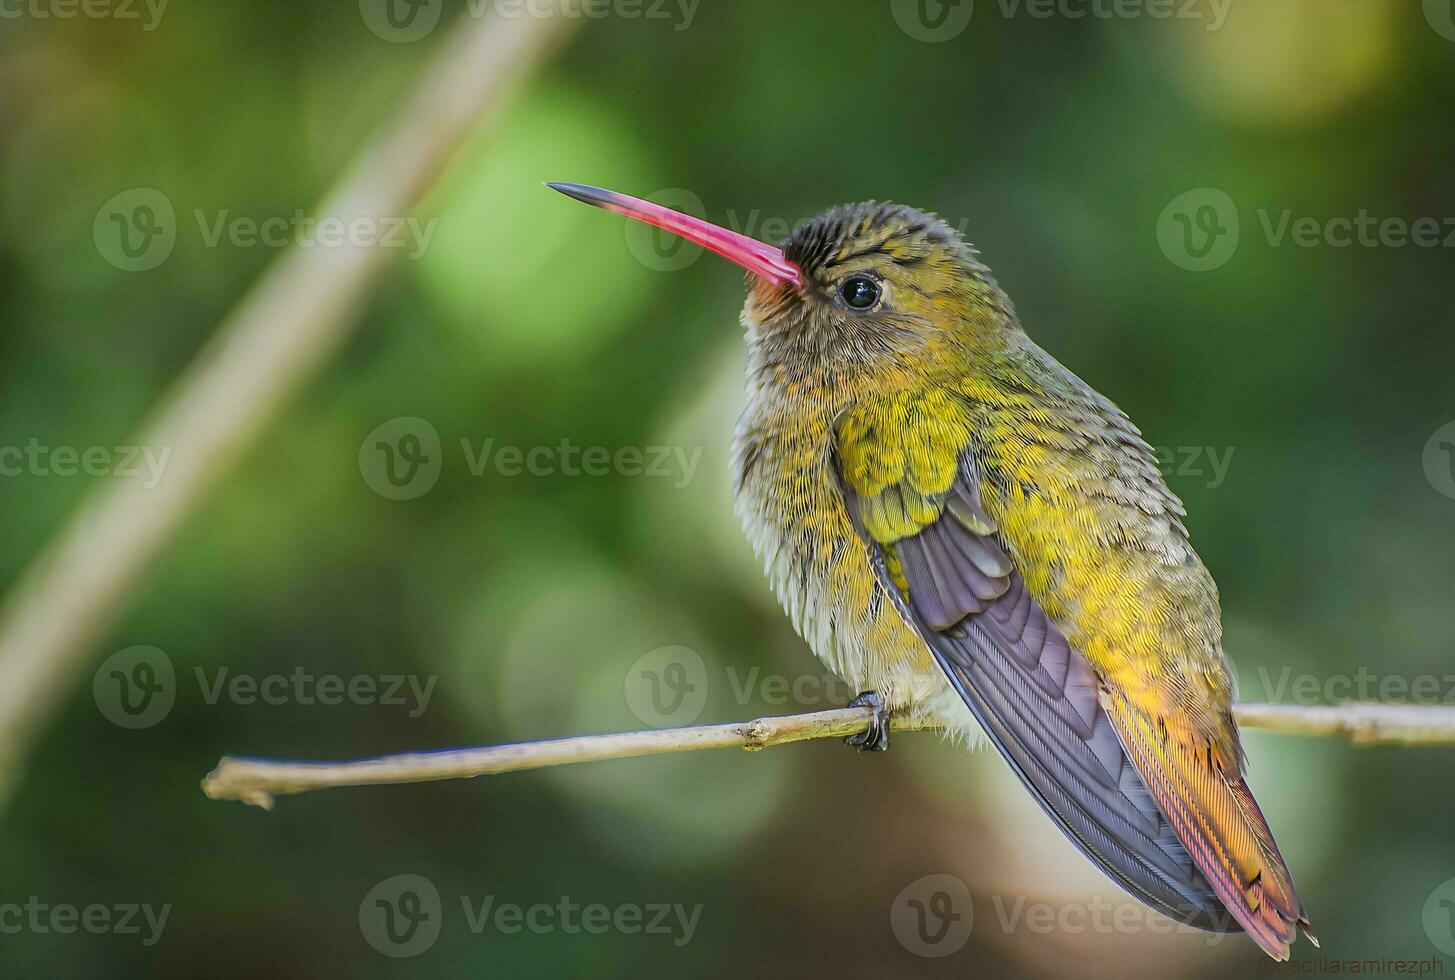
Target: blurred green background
x,y
534,603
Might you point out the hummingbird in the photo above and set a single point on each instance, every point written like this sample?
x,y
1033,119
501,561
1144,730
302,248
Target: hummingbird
x,y
972,536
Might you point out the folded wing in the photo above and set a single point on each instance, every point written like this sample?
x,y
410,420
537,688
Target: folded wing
x,y
1035,696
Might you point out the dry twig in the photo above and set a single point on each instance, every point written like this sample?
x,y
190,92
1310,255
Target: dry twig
x,y
257,781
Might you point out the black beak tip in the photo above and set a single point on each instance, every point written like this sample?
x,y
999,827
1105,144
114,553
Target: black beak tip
x,y
583,192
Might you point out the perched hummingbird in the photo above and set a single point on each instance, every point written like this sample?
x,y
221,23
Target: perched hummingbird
x,y
967,532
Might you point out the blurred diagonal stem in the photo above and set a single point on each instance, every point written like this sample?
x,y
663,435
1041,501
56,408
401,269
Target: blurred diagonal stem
x,y
258,781
280,334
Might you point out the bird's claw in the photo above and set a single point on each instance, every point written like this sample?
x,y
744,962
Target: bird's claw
x,y
875,738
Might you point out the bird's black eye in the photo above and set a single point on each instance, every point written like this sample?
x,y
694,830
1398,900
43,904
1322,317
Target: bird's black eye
x,y
860,292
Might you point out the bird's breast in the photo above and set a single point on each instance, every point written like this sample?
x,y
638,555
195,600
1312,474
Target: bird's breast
x,y
791,508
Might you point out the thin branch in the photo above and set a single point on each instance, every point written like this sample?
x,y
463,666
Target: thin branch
x,y
281,333
257,781
1362,722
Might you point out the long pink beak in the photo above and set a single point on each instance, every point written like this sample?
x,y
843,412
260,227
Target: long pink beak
x,y
762,260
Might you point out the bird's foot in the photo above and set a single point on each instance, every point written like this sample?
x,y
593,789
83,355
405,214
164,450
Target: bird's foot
x,y
875,738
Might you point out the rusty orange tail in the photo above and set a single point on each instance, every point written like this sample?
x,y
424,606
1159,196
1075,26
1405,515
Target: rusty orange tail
x,y
1208,803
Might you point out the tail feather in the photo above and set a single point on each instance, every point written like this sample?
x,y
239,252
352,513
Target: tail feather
x,y
1217,819
1254,818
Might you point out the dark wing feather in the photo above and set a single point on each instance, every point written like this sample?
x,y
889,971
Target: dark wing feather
x,y
1037,699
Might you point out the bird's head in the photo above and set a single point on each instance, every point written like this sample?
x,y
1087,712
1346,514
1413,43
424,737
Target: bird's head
x,y
871,286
